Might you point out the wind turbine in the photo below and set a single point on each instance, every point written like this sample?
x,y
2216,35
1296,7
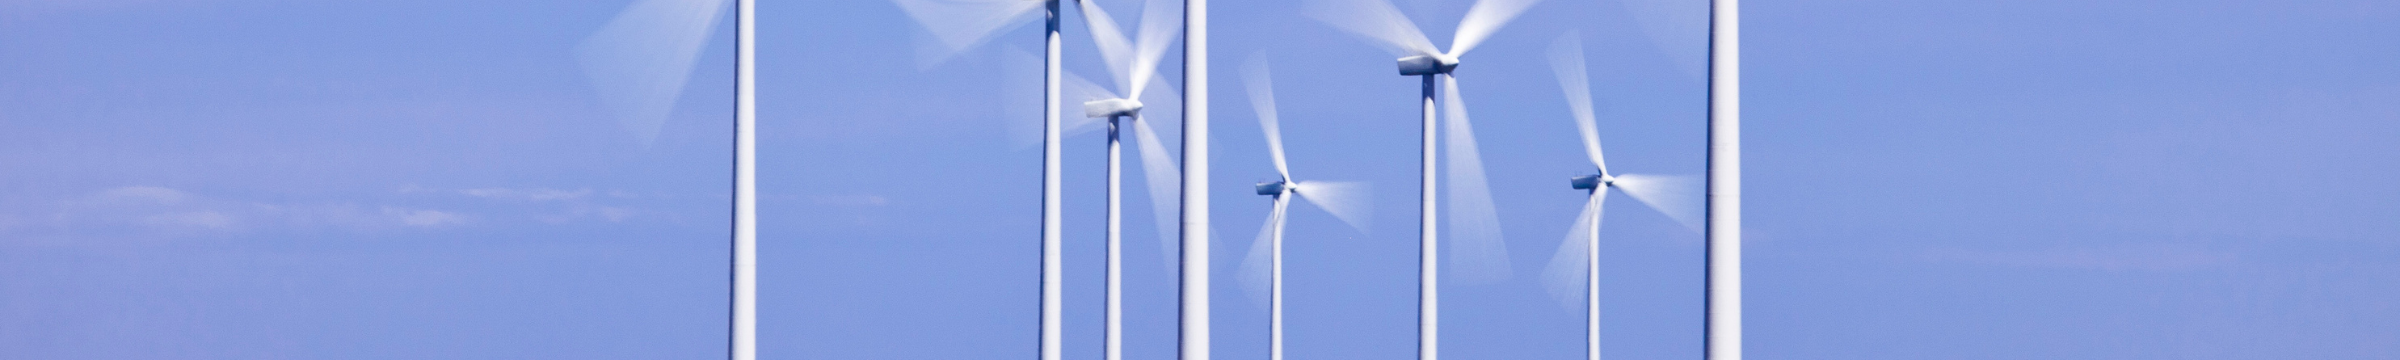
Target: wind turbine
x,y
1262,271
962,24
1133,64
639,63
1482,256
1574,271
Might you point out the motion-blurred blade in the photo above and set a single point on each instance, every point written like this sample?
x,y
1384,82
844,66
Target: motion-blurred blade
x,y
1676,196
1346,200
1679,29
958,25
1566,57
1115,50
639,62
1262,99
1163,107
1021,100
1159,170
1159,27
1477,247
1075,91
1257,269
1568,272
1485,17
1375,19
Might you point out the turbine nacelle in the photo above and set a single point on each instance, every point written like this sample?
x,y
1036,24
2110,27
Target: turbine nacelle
x,y
1275,187
1427,64
1112,108
1590,182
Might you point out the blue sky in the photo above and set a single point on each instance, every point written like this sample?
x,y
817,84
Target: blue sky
x,y
1972,180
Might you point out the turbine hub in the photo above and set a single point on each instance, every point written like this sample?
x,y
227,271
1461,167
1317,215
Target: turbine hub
x,y
1112,107
1273,187
1427,64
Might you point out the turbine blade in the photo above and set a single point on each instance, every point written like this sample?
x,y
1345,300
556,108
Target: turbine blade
x,y
1679,29
1075,91
1346,200
1566,276
1566,57
958,25
1485,17
1159,170
1115,50
1262,99
1257,269
1021,99
1477,248
1676,196
639,62
1165,106
1021,95
1159,27
1376,20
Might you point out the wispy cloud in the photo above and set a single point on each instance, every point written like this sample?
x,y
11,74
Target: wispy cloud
x,y
157,210
609,213
534,194
425,218
555,206
2116,258
850,200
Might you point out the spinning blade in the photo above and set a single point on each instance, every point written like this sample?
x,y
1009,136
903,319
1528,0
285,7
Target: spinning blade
x,y
1567,274
1346,200
1566,58
1150,45
1477,247
1159,170
1115,50
640,61
1262,99
958,25
1021,97
1486,17
1257,270
1374,19
1676,196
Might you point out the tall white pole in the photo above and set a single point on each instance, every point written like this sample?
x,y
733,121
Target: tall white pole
x,y
1113,348
745,185
1591,280
1194,343
1051,244
1428,289
1275,288
1724,339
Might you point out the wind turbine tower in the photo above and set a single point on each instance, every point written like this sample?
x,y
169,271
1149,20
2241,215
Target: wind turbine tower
x,y
1724,339
1192,335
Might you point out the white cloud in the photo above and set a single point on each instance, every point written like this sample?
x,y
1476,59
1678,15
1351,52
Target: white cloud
x,y
2149,258
616,214
851,200
570,205
202,219
142,194
534,194
424,218
162,211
